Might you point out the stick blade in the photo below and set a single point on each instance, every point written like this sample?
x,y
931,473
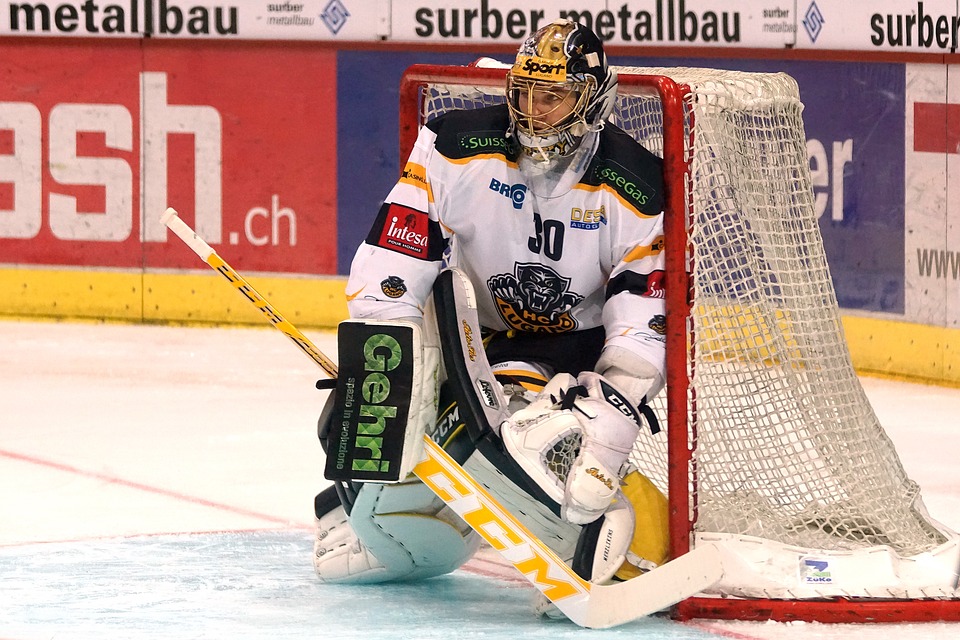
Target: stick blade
x,y
665,586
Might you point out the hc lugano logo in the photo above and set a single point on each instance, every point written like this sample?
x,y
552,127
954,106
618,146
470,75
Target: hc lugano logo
x,y
393,286
534,298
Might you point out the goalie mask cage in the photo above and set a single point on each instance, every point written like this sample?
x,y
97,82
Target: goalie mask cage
x,y
772,450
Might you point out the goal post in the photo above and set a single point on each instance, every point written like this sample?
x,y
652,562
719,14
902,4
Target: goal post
x,y
772,451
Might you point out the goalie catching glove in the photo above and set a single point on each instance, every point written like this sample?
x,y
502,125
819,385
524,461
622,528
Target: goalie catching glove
x,y
574,441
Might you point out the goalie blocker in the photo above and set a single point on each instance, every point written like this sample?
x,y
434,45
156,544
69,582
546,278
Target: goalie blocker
x,y
385,398
386,393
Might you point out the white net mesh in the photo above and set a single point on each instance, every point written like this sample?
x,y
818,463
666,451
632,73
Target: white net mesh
x,y
789,448
787,445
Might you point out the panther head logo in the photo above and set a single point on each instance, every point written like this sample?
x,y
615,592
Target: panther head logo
x,y
658,323
540,289
534,298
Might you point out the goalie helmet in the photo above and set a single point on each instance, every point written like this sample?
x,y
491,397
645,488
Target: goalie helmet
x,y
559,89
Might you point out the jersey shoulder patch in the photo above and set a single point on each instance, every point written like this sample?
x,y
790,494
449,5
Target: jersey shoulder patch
x,y
624,165
463,134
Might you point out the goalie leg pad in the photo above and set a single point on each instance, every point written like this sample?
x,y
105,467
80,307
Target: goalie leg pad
x,y
631,538
491,468
470,379
338,554
650,546
394,532
604,543
602,550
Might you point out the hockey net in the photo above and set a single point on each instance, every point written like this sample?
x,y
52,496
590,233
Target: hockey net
x,y
774,452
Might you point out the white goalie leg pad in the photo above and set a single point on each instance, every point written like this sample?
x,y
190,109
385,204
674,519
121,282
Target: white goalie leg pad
x,y
612,543
559,535
338,555
395,532
601,551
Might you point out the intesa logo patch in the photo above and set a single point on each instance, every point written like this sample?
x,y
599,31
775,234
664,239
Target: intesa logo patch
x,y
405,230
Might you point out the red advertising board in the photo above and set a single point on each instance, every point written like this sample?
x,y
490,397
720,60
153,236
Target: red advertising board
x,y
96,141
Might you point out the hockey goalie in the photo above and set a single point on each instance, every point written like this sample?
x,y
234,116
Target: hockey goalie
x,y
541,221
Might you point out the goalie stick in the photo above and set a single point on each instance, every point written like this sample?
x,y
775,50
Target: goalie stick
x,y
208,255
586,604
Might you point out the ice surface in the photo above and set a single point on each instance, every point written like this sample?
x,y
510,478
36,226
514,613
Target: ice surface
x,y
157,482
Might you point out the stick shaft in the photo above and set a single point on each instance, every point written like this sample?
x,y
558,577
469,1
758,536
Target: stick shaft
x,y
218,264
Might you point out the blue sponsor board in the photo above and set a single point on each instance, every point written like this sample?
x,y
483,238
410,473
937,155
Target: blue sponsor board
x,y
368,129
861,106
856,110
854,120
853,114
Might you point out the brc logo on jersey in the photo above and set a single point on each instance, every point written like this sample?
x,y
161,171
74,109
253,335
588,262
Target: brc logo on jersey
x,y
587,218
538,68
534,298
406,231
414,174
625,182
516,192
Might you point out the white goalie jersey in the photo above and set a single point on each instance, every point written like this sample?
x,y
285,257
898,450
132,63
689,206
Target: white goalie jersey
x,y
590,255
